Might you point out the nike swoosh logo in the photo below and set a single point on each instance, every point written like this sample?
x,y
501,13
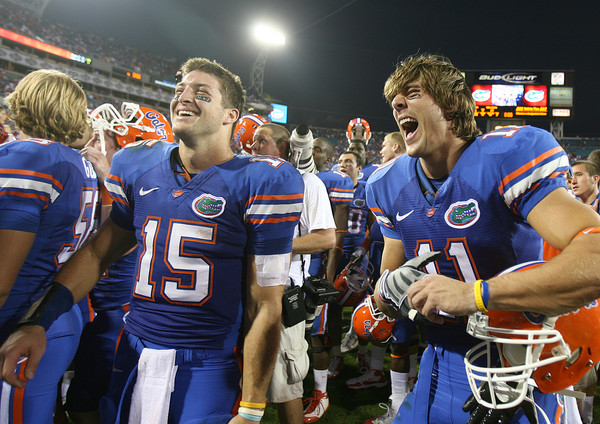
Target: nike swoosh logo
x,y
144,192
401,217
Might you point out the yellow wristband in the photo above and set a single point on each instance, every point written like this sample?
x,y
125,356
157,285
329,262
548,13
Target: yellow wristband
x,y
253,405
478,297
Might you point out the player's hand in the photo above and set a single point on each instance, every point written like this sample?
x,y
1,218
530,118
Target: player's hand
x,y
435,293
92,153
28,341
359,253
483,415
391,289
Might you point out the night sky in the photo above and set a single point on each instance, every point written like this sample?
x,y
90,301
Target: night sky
x,y
339,53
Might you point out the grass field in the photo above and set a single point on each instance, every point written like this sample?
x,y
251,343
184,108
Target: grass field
x,y
345,405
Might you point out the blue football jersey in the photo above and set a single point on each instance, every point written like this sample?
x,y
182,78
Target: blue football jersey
x,y
367,171
357,219
46,188
478,217
194,237
339,187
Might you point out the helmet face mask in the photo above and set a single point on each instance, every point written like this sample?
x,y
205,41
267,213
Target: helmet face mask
x,y
370,323
555,352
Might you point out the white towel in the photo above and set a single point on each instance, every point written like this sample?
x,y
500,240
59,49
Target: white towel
x,y
152,391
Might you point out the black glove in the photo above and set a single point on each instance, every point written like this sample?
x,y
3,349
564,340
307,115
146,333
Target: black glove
x,y
483,415
393,285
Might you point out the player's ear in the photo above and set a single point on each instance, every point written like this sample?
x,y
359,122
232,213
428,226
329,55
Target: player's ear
x,y
231,116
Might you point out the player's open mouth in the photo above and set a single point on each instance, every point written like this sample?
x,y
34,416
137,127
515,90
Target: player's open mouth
x,y
409,126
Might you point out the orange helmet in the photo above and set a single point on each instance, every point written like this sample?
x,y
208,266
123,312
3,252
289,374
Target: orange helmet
x,y
244,131
358,129
555,351
370,323
354,281
132,124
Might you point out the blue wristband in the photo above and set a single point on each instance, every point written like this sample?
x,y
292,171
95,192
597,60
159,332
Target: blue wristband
x,y
54,302
485,293
250,417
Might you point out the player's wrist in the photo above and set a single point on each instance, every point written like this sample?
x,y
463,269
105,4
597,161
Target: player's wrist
x,y
252,411
56,300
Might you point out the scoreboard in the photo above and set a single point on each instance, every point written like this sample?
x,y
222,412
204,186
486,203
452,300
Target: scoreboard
x,y
522,94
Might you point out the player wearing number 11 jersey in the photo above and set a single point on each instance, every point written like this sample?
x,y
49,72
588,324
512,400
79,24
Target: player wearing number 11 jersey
x,y
469,197
483,194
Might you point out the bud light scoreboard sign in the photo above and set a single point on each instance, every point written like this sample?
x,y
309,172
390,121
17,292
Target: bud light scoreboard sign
x,y
522,94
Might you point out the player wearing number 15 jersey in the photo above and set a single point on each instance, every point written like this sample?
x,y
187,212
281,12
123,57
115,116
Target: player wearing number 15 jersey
x,y
215,235
48,197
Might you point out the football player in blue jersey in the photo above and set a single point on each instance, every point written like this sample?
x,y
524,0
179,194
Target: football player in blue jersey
x,y
483,201
215,234
48,202
356,242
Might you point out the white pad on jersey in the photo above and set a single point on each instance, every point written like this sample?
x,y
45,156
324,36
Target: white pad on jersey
x,y
272,270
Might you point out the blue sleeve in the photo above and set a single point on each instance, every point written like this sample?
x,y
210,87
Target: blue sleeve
x,y
31,182
273,208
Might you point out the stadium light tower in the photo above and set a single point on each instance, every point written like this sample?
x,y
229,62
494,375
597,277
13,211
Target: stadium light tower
x,y
267,37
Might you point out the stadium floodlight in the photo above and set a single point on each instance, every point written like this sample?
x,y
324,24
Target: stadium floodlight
x,y
268,35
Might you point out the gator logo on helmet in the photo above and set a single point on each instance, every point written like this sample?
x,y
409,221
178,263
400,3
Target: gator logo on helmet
x,y
462,214
159,127
208,206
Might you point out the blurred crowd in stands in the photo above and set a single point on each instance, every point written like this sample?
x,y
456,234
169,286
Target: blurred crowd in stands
x,y
26,23
85,44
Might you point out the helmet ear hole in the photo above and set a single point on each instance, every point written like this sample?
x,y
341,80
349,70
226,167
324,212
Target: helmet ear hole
x,y
574,357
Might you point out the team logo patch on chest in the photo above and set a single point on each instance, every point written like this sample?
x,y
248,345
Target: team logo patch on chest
x,y
462,214
359,203
208,206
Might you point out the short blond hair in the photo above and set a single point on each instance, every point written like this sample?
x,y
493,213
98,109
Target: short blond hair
x,y
51,105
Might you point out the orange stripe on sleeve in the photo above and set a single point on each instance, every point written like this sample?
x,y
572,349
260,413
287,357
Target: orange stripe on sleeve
x,y
527,167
